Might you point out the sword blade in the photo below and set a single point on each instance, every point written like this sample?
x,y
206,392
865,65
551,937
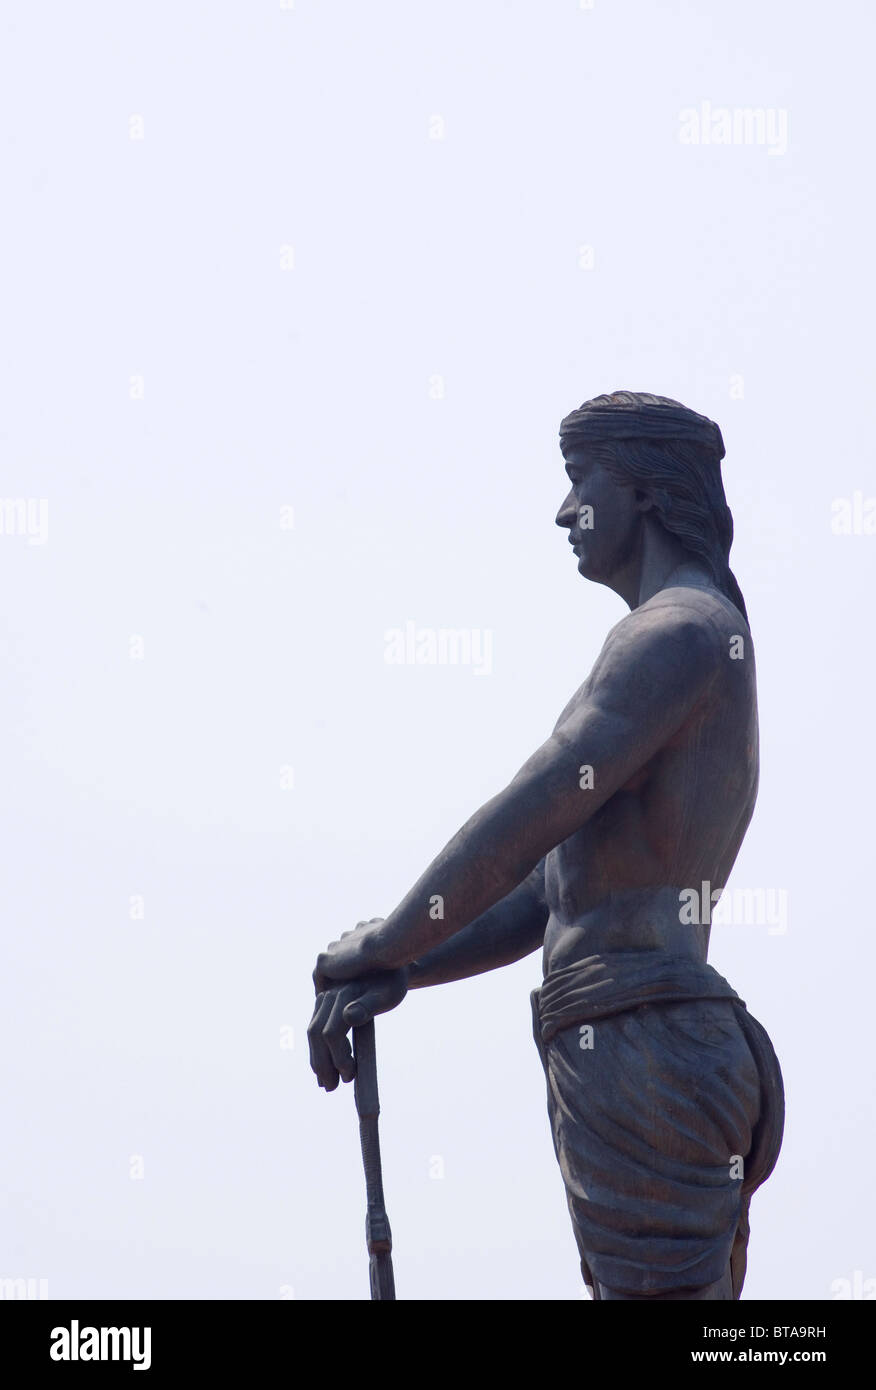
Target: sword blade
x,y
378,1235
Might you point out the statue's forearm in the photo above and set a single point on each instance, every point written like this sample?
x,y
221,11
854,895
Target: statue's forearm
x,y
483,863
510,930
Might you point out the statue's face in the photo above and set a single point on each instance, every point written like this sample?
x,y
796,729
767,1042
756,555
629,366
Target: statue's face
x,y
603,517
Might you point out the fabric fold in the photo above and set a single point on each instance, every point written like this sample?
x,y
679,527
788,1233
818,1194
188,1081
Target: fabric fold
x,y
666,1115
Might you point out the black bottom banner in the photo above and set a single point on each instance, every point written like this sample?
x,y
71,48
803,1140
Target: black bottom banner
x,y
219,1339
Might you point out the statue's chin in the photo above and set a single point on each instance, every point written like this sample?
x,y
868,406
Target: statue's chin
x,y
584,569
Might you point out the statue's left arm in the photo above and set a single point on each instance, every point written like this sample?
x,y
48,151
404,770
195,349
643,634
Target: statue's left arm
x,y
655,668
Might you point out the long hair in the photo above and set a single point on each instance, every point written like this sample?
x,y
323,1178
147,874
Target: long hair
x,y
678,467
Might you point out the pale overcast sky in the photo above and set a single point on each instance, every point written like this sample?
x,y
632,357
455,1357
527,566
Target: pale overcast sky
x,y
357,261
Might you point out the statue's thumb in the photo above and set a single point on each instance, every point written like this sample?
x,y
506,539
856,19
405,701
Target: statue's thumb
x,y
362,1009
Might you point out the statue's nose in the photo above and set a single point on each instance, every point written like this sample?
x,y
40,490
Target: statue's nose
x,y
566,514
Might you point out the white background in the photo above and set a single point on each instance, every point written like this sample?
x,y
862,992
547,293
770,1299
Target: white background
x,y
263,648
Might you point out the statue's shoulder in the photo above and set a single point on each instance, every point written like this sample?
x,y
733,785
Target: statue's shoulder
x,y
698,618
695,608
680,631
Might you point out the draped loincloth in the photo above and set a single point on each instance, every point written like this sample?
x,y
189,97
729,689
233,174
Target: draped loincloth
x,y
666,1115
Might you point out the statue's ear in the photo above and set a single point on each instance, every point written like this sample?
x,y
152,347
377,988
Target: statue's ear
x,y
644,500
654,499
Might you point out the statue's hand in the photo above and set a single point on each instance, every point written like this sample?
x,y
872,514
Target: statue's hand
x,y
356,954
340,1008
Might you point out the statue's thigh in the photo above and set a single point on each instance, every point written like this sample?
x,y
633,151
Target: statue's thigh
x,y
652,1124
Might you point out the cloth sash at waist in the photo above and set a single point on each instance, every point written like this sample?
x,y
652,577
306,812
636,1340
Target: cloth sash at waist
x,y
615,981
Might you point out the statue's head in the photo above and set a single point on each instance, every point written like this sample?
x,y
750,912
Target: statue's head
x,y
639,460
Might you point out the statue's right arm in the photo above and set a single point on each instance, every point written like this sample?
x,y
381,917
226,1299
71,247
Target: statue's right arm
x,y
656,667
510,930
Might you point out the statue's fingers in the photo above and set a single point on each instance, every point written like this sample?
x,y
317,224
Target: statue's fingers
x,y
320,1055
322,980
334,967
335,1033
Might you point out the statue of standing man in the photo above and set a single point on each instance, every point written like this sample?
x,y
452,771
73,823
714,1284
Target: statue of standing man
x,y
664,1093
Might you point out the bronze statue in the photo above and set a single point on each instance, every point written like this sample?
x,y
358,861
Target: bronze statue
x,y
664,1093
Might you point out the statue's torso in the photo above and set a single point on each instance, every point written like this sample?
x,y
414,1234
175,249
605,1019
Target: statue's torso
x,y
616,884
